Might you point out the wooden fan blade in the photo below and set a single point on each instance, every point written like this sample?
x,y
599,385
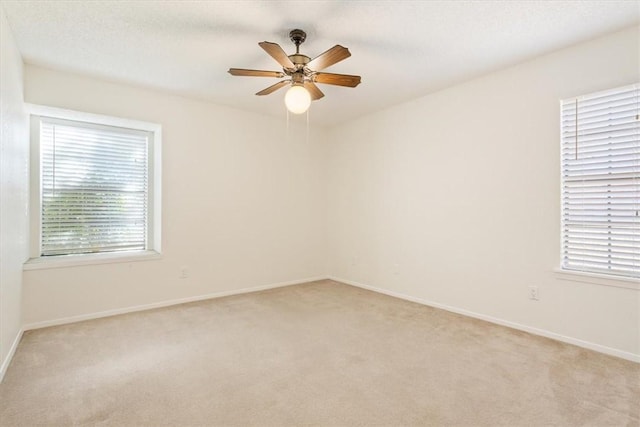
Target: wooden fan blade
x,y
278,54
254,73
314,90
273,88
328,58
337,79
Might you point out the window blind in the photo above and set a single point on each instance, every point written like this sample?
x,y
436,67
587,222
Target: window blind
x,y
94,184
601,182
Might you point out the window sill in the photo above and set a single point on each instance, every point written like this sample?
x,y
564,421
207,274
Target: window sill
x,y
597,279
64,261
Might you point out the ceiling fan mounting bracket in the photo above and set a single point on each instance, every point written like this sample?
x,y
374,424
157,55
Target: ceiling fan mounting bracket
x,y
297,37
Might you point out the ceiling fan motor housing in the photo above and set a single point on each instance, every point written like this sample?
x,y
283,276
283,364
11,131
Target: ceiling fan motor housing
x,y
299,59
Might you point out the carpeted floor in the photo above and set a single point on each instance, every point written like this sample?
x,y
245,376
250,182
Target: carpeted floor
x,y
321,353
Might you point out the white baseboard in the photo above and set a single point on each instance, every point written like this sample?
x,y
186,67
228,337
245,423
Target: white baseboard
x,y
114,312
548,334
12,351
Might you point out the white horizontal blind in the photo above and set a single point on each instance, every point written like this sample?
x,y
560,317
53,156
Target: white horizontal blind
x,y
601,182
94,187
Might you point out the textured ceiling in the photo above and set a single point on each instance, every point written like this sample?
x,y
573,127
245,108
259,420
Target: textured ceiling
x,y
402,49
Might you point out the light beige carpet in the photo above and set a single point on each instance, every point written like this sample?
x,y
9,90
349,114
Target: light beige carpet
x,y
321,353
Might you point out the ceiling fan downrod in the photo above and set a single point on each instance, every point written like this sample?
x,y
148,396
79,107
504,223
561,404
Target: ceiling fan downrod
x,y
297,37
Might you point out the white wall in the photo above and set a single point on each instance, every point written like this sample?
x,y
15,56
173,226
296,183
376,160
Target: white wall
x,y
453,198
14,192
243,203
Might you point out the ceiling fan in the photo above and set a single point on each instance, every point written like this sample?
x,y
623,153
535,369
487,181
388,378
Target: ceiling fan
x,y
301,72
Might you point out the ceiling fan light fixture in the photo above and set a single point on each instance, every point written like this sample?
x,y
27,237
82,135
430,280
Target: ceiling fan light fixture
x,y
297,99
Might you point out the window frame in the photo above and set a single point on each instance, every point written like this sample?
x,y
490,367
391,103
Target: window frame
x,y
153,244
576,275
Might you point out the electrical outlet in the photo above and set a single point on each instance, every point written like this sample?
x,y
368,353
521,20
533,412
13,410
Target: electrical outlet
x,y
533,293
184,272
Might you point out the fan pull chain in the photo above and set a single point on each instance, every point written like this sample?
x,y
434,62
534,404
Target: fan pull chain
x,y
287,133
576,128
308,126
53,189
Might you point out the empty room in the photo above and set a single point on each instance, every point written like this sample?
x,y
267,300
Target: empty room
x,y
333,213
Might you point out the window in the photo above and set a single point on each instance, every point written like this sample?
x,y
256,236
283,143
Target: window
x,y
95,185
601,182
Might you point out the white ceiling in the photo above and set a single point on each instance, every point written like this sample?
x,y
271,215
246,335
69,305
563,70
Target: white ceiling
x,y
402,49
